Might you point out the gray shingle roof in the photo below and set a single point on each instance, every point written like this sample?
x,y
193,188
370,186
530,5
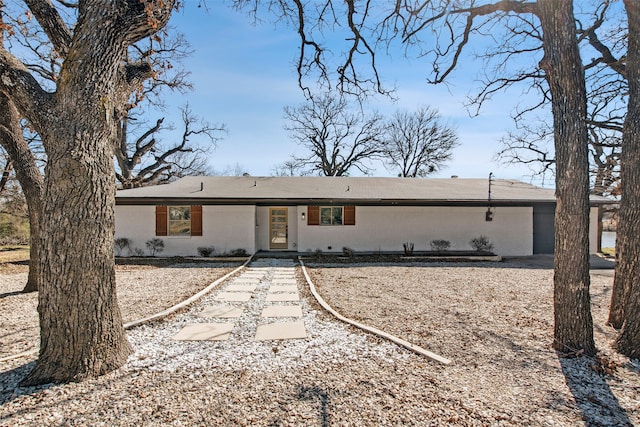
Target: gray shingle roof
x,y
365,190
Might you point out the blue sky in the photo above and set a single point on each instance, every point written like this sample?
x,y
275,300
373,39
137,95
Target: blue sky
x,y
244,76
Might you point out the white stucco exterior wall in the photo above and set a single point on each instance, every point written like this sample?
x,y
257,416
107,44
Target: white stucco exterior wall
x,y
226,228
386,228
383,228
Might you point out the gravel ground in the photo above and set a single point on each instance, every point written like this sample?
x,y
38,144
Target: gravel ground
x,y
142,291
493,320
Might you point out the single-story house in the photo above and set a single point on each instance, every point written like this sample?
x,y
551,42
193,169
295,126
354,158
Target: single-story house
x,y
303,214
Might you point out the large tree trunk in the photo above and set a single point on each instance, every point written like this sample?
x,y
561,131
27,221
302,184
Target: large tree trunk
x,y
81,333
30,179
625,300
573,324
80,322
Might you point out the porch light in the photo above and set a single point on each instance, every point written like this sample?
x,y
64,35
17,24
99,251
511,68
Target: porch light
x,y
488,215
303,216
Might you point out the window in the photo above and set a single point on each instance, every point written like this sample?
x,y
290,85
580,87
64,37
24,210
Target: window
x,y
331,215
178,221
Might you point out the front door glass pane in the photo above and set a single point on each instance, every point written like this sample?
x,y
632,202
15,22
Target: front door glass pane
x,y
278,236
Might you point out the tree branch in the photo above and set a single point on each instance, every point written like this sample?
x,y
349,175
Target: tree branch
x,y
473,12
22,88
51,22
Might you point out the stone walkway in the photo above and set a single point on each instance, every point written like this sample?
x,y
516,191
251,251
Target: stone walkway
x,y
271,281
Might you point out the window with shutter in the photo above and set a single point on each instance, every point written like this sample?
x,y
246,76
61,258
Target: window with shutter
x,y
331,215
179,220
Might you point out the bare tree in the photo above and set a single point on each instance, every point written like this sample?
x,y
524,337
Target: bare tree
x,y
573,326
625,303
141,156
163,54
148,161
230,170
417,143
618,52
81,329
23,154
532,143
28,174
288,168
337,139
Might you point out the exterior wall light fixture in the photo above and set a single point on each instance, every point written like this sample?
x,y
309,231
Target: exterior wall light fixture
x,y
303,216
488,215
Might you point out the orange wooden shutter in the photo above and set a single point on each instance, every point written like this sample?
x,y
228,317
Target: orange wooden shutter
x,y
196,220
349,215
313,215
161,220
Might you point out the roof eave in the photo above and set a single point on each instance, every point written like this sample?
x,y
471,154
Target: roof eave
x,y
128,201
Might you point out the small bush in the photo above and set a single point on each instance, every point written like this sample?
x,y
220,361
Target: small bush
x,y
239,252
206,251
440,245
408,248
122,243
137,252
317,254
155,246
348,252
481,244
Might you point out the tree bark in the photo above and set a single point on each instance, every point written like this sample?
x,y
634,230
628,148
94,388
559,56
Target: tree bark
x,y
8,167
30,179
81,333
625,299
80,321
573,324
